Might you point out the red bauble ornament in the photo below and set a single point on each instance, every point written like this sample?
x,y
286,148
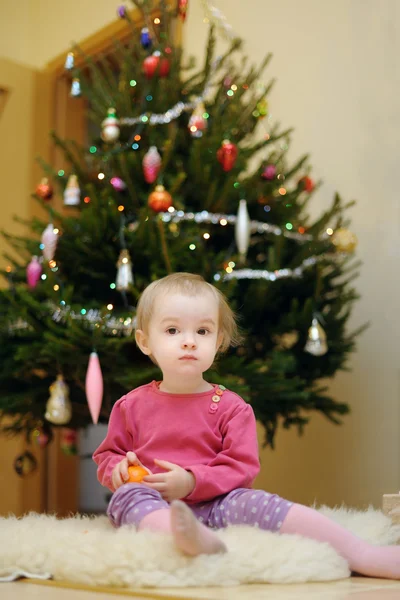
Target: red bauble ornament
x,y
227,155
160,200
45,189
156,64
307,183
182,9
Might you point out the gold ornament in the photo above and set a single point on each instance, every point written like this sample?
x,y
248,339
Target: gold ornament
x,y
316,342
58,408
344,240
286,340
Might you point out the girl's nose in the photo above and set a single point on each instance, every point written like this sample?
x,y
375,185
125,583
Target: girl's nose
x,y
189,342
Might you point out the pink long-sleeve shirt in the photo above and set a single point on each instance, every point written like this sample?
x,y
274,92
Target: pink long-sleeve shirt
x,y
220,448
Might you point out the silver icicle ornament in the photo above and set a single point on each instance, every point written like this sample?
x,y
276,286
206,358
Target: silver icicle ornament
x,y
242,229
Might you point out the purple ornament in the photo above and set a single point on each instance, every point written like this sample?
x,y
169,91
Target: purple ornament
x,y
33,272
121,11
269,172
227,82
118,184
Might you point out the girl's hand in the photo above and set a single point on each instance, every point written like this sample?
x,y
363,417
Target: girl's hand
x,y
177,483
120,474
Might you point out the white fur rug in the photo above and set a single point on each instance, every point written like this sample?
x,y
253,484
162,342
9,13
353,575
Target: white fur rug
x,y
88,550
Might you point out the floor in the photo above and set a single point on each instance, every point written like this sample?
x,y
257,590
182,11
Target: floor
x,y
355,588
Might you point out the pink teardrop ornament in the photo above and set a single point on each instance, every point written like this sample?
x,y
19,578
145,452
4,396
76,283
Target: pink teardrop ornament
x,y
33,272
94,386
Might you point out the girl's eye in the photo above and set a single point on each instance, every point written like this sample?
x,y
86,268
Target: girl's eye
x,y
172,330
202,331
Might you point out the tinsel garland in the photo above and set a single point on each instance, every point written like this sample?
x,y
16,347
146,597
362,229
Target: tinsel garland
x,y
174,112
255,226
125,325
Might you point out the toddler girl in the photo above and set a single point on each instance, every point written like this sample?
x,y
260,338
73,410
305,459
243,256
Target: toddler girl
x,y
198,440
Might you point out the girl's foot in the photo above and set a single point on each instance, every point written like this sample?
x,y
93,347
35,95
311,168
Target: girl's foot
x,y
190,536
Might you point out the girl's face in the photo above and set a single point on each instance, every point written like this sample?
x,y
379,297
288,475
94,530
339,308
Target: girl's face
x,y
183,334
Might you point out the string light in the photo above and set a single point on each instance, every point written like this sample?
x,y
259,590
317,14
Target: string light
x,y
56,231
101,176
329,231
8,269
86,200
52,264
157,21
192,247
121,208
282,191
110,306
206,236
56,288
223,222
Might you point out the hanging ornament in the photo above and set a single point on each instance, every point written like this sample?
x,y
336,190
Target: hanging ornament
x,y
42,436
72,193
69,61
58,408
124,277
155,63
33,272
344,240
49,242
242,229
94,386
262,109
75,88
307,183
69,441
269,172
316,341
197,123
182,9
121,11
227,155
118,184
110,127
25,464
227,82
151,164
160,200
145,39
45,190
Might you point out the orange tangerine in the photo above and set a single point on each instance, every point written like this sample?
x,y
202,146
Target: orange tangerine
x,y
136,473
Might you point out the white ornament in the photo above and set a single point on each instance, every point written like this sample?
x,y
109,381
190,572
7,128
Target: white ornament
x,y
316,342
124,275
49,241
242,228
110,127
72,193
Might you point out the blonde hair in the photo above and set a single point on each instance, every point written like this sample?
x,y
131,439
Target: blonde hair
x,y
189,284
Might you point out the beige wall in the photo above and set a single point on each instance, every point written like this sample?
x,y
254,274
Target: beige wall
x,y
338,84
16,125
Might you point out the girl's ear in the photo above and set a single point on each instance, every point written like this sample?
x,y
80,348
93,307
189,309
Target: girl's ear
x,y
142,341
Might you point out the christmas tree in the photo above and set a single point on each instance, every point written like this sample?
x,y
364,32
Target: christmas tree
x,y
185,172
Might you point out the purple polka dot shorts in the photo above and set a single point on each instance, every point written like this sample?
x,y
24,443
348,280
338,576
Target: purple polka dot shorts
x,y
243,506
